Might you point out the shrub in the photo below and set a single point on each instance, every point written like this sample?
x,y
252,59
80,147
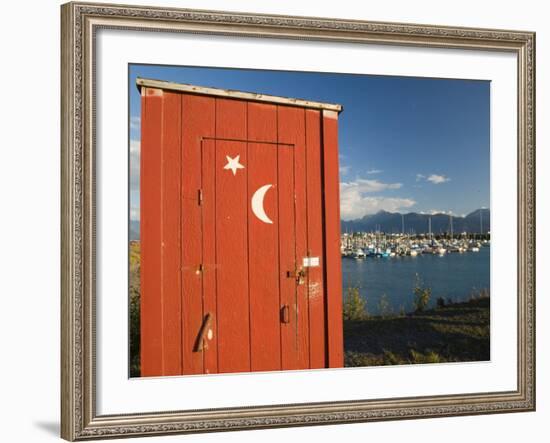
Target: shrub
x,y
422,295
389,358
355,307
481,294
135,367
384,307
429,357
440,302
358,359
134,335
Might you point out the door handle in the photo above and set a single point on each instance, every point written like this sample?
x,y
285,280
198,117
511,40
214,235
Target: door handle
x,y
285,314
204,333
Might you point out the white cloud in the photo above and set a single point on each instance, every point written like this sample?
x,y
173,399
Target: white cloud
x,y
356,208
355,201
374,171
134,214
363,185
134,164
135,122
135,147
344,170
438,179
438,211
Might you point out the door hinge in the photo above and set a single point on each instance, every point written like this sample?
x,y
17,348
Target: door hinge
x,y
199,192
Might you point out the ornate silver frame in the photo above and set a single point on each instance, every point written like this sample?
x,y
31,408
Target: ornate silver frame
x,y
80,21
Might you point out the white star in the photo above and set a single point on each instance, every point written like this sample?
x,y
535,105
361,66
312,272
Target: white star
x,y
233,164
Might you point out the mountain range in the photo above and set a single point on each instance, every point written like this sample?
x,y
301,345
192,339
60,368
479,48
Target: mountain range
x,y
418,223
391,222
134,230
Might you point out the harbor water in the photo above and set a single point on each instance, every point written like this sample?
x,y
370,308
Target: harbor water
x,y
451,276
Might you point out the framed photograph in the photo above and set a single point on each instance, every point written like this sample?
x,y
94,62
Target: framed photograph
x,y
283,221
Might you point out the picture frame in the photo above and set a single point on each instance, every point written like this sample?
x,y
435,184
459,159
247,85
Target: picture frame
x,y
79,400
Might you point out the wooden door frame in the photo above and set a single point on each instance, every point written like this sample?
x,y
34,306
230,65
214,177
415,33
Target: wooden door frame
x,y
280,272
333,292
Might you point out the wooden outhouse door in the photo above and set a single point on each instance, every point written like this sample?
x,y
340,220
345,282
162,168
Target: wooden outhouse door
x,y
240,266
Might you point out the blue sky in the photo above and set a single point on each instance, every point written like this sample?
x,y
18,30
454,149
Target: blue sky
x,y
406,144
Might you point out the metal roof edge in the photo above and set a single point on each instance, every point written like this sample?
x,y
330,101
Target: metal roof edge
x,y
230,93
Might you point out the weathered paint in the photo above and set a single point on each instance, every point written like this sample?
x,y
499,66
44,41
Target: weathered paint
x,y
238,227
263,262
209,281
160,85
150,200
197,122
291,130
265,341
317,303
333,269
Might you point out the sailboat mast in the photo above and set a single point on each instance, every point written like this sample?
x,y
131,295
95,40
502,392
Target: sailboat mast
x,y
480,224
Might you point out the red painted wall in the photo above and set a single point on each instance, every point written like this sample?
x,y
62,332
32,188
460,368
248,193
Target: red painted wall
x,y
206,251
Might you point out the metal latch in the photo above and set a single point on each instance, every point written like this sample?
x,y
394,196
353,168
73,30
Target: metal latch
x,y
298,275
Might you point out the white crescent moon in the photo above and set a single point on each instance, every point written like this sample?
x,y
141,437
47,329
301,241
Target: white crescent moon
x,y
258,204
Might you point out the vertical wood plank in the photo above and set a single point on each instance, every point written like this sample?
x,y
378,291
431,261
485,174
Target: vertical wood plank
x,y
209,252
170,273
198,121
232,260
333,268
231,119
315,280
232,239
263,248
291,129
263,261
150,206
262,122
287,255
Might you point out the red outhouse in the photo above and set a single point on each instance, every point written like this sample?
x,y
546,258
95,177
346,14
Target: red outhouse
x,y
240,232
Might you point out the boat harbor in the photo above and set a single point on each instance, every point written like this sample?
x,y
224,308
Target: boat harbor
x,y
362,245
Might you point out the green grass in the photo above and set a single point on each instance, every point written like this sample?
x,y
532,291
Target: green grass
x,y
134,289
455,332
